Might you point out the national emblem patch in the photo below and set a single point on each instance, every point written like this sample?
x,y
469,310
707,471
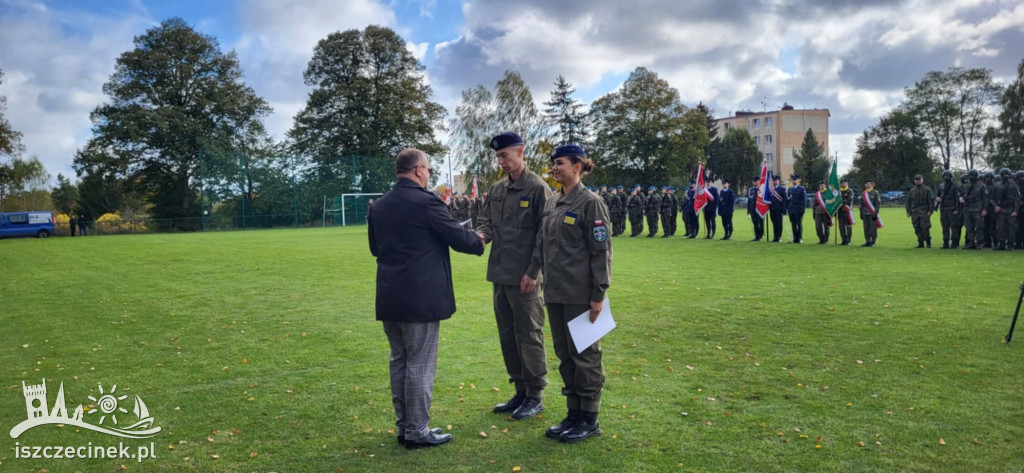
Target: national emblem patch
x,y
600,233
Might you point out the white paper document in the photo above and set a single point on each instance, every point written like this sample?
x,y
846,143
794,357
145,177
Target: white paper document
x,y
466,223
585,333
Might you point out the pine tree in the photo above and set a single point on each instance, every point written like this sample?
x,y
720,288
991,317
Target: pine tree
x,y
566,113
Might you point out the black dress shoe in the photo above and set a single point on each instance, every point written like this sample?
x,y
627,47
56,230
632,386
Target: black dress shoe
x,y
585,427
511,404
401,438
530,407
431,440
570,420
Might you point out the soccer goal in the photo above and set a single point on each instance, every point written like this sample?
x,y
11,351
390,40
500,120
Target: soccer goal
x,y
352,208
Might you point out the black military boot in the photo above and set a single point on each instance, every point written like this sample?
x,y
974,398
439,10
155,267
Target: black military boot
x,y
530,407
954,245
920,243
570,420
928,242
585,427
945,245
511,404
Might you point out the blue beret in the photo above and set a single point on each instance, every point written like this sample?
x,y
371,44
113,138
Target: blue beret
x,y
650,188
664,187
725,181
620,187
505,140
671,188
796,176
568,150
692,182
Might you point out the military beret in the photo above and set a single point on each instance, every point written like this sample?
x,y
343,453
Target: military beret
x,y
692,182
795,176
671,188
821,183
664,187
620,187
504,140
650,188
844,180
918,176
869,180
725,181
755,178
568,150
775,177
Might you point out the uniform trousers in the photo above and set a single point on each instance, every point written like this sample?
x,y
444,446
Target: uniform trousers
x,y
582,373
974,224
413,364
1005,226
758,225
845,227
951,225
776,216
727,223
636,223
520,319
796,220
870,228
821,226
709,223
652,224
922,225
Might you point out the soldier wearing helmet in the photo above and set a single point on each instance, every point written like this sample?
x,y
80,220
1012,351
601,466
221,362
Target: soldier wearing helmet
x,y
974,198
947,199
1005,203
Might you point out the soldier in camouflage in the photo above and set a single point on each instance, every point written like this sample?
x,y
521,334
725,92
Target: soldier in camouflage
x,y
635,207
652,208
1006,200
920,205
949,209
974,198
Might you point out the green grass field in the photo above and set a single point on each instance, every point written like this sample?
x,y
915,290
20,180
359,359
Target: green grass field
x,y
258,351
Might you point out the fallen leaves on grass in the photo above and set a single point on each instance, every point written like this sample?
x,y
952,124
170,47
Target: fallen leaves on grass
x,y
941,441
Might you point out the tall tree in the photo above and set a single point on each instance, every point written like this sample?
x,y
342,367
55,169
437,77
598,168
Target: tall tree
x,y
645,134
737,157
566,113
172,97
810,161
892,152
1006,143
369,99
713,150
955,110
20,184
65,195
483,113
10,140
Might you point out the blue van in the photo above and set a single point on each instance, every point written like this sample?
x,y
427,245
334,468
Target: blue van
x,y
26,224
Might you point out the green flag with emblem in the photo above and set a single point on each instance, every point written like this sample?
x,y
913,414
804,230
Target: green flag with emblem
x,y
832,198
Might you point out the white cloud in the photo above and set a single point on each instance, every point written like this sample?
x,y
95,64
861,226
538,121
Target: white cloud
x,y
54,81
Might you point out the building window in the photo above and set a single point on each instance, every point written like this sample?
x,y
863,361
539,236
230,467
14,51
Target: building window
x,y
769,158
767,139
757,139
757,122
767,121
728,125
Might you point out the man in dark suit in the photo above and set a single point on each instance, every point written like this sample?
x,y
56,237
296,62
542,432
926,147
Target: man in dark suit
x,y
755,217
410,231
711,211
797,196
780,202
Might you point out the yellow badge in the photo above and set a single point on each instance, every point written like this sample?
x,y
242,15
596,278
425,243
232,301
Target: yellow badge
x,y
570,218
524,202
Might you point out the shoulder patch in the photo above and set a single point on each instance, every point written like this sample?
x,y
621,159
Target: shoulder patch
x,y
600,232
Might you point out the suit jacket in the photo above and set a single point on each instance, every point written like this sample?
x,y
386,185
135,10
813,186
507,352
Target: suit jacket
x,y
797,199
726,200
712,205
410,231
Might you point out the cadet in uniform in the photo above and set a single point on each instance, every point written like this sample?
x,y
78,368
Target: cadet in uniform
x,y
624,201
690,211
665,211
777,208
635,206
974,197
615,208
726,200
755,217
822,219
510,219
653,207
711,211
797,196
1006,200
870,202
576,255
845,212
949,206
674,217
990,215
920,205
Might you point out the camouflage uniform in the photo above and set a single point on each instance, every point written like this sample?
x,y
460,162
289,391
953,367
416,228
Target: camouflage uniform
x,y
920,205
635,207
616,210
1006,199
653,207
949,211
974,198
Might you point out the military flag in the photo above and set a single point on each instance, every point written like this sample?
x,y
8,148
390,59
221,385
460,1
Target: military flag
x,y
833,201
764,191
474,186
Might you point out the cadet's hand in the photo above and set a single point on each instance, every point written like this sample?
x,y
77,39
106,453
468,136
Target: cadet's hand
x,y
984,213
962,201
483,239
527,284
998,209
938,199
908,215
595,310
929,214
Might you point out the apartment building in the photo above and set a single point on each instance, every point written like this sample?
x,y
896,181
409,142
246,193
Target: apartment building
x,y
778,133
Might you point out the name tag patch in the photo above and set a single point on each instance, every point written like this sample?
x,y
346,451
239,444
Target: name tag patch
x,y
524,202
570,218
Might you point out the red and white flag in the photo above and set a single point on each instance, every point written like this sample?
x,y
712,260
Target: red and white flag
x,y
764,192
474,186
701,194
447,197
871,207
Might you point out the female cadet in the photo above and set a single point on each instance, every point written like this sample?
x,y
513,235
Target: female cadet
x,y
575,252
822,220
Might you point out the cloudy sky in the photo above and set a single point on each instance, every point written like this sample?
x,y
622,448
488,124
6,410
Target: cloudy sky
x,y
853,57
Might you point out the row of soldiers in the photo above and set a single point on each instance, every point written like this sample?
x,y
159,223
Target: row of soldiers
x,y
664,206
466,207
986,207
